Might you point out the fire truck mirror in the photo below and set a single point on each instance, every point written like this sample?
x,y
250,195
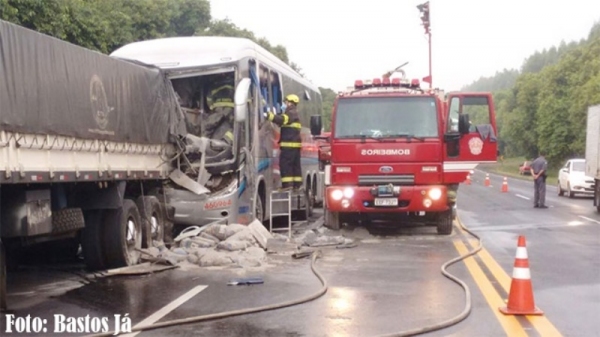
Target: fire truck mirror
x,y
315,125
463,124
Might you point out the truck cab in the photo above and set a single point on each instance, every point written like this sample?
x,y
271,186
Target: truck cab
x,y
396,149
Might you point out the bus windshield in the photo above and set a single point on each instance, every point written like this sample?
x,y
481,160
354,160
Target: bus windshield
x,y
381,117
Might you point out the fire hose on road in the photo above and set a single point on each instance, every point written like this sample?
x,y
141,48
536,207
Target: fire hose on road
x,y
416,331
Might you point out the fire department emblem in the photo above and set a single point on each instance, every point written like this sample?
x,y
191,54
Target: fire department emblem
x,y
475,146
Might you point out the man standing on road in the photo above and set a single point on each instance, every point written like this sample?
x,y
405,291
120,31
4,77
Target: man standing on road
x,y
538,172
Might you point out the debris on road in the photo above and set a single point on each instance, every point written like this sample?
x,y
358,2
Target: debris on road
x,y
240,246
246,281
140,269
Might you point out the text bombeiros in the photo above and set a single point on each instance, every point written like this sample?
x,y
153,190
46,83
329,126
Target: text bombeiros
x,y
65,324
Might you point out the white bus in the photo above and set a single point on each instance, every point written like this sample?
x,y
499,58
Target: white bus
x,y
241,184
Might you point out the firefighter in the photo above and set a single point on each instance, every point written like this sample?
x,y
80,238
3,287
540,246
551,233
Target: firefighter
x,y
218,122
290,143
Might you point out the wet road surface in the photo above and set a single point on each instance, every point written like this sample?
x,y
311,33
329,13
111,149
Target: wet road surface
x,y
388,283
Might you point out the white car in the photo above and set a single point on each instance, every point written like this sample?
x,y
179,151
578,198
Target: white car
x,y
572,179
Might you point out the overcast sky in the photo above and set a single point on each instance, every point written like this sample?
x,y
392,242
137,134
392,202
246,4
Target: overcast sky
x,y
337,41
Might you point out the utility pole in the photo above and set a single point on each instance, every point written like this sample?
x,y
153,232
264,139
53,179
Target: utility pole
x,y
425,12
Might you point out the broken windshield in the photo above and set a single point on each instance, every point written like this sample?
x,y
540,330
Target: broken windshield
x,y
386,117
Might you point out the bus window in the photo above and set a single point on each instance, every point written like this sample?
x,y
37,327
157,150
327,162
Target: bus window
x,y
276,91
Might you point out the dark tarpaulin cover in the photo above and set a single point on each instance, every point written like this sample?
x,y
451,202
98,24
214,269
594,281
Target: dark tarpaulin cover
x,y
49,86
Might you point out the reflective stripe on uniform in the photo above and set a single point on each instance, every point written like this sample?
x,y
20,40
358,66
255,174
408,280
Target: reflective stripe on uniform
x,y
214,91
271,116
222,105
287,179
293,125
286,119
229,135
296,179
290,144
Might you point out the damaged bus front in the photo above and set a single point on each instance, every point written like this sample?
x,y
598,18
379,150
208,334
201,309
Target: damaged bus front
x,y
225,168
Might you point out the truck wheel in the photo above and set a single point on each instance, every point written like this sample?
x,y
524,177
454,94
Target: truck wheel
x,y
3,292
123,235
92,241
444,223
153,220
332,220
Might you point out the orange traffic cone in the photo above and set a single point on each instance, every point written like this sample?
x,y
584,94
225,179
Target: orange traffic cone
x,y
487,179
468,181
504,186
520,297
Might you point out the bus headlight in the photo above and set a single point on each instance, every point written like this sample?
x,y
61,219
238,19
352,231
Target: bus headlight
x,y
337,195
348,192
435,193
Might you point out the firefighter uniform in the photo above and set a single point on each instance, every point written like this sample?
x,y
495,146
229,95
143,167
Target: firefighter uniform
x,y
290,143
218,123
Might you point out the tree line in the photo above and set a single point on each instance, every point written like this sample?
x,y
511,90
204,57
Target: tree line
x,y
106,25
543,105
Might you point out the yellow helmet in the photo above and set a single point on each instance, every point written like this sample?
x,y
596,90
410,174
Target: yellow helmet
x,y
292,98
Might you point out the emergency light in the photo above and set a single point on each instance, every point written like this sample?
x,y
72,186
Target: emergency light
x,y
385,82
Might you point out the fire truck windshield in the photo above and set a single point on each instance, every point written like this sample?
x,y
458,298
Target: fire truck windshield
x,y
386,117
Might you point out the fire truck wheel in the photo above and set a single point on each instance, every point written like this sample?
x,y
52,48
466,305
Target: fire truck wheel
x,y
123,235
153,220
332,220
92,245
444,223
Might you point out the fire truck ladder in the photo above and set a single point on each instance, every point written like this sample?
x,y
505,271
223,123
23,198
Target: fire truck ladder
x,y
282,198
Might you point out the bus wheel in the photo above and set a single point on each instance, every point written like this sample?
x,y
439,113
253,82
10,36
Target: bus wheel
x,y
153,219
332,220
259,209
309,201
444,223
123,235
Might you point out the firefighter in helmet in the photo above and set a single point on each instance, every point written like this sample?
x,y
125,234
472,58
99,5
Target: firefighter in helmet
x,y
218,122
290,143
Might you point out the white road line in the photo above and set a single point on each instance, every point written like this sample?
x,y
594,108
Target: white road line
x,y
522,197
589,219
167,309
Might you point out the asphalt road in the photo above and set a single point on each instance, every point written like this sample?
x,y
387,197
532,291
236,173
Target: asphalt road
x,y
390,282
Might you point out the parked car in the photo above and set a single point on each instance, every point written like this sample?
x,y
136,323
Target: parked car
x,y
572,179
525,168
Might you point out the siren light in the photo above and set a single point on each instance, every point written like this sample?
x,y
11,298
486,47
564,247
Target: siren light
x,y
376,82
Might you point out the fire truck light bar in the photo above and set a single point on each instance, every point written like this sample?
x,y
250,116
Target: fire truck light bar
x,y
385,82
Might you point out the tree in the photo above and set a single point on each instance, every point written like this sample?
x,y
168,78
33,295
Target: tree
x,y
105,25
328,97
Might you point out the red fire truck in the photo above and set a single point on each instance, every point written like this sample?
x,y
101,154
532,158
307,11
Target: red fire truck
x,y
399,152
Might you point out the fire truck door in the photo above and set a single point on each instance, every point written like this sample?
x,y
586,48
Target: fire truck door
x,y
470,134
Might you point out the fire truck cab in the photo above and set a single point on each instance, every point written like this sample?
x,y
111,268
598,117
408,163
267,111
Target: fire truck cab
x,y
398,152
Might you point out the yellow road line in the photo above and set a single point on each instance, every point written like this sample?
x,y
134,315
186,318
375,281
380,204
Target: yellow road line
x,y
510,324
540,323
